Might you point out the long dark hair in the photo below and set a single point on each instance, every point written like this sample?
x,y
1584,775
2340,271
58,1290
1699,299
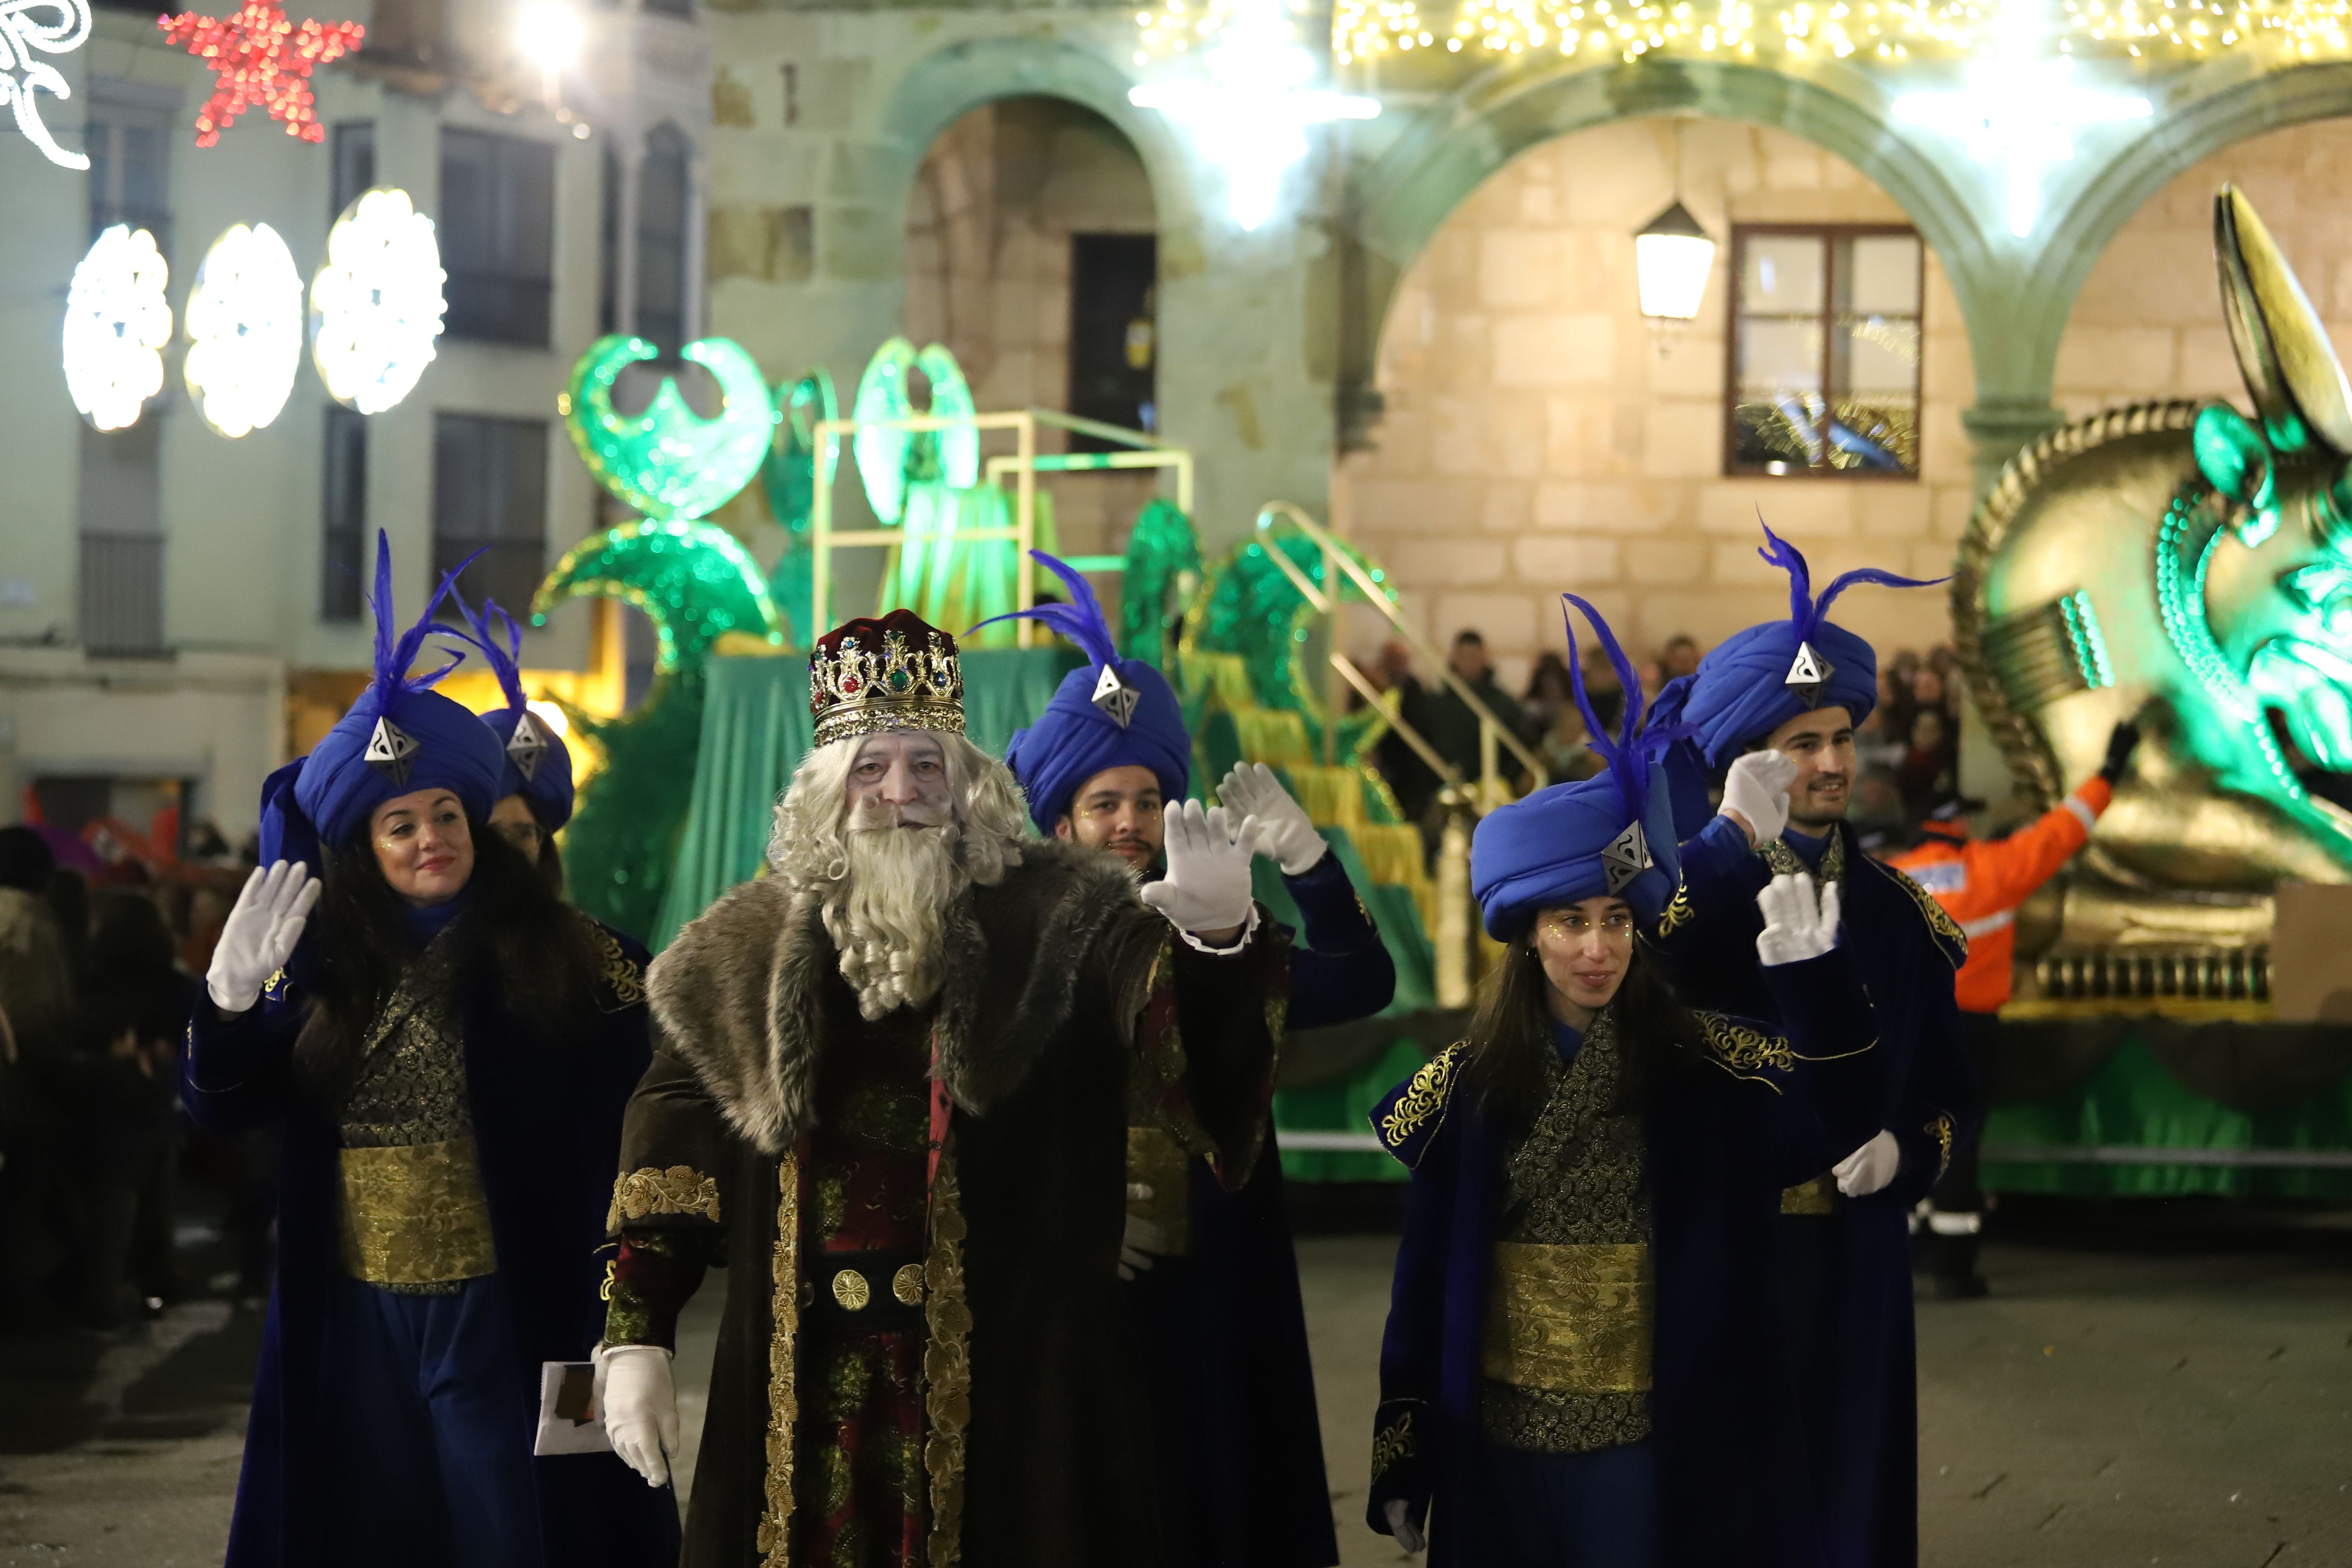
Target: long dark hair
x,y
1510,1037
526,954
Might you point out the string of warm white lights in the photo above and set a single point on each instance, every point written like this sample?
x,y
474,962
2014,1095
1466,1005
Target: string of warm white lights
x,y
1891,30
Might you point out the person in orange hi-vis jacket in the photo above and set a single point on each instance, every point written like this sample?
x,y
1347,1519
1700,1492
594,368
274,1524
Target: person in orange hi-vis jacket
x,y
1981,882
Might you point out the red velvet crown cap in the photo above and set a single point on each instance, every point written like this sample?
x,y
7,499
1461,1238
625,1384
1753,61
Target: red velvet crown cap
x,y
898,673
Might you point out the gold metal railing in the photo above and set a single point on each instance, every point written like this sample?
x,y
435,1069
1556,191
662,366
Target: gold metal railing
x,y
1457,933
1025,464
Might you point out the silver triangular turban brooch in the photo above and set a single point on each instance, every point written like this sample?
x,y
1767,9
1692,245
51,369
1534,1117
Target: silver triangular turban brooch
x,y
1808,675
1626,857
390,750
1115,697
527,745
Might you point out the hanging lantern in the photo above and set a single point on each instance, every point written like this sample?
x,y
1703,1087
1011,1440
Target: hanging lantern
x,y
1671,258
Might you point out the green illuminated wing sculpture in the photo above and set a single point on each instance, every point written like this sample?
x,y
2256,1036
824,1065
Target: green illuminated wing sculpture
x,y
668,462
791,474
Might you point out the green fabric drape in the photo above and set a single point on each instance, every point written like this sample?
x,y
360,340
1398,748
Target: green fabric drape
x,y
2082,1141
755,728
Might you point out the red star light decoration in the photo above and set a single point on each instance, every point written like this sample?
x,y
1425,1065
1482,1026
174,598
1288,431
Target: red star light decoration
x,y
262,59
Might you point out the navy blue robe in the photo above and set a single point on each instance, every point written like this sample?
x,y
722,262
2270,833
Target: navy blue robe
x,y
547,1129
1223,1329
1845,1277
1724,1137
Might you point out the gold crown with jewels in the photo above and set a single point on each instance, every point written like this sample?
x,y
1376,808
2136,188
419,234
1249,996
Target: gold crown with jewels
x,y
896,673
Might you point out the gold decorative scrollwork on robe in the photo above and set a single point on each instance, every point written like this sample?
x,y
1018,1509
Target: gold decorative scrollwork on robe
x,y
623,983
947,1363
1786,862
1940,918
1678,914
415,1215
1744,1049
1156,1160
681,1189
775,1536
1423,1098
1393,1443
1940,1129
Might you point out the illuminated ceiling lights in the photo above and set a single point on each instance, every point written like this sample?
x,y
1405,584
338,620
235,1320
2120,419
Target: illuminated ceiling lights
x,y
1246,103
376,302
2019,112
21,76
245,329
116,324
1875,29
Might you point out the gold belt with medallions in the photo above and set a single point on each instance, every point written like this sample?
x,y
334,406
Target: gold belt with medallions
x,y
415,1215
1571,1319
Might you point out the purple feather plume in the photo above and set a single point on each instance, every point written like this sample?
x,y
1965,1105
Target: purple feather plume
x,y
1081,620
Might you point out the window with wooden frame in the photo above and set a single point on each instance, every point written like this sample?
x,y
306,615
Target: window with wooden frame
x,y
1824,351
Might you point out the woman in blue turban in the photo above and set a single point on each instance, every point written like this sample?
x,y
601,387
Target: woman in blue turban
x,y
1577,1371
449,1050
535,782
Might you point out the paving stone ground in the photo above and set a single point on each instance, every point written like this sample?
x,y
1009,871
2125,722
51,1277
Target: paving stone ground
x,y
2148,1383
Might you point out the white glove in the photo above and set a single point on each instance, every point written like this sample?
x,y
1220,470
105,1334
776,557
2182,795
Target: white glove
x,y
1870,1167
1207,887
261,934
1756,793
1286,834
1796,928
1144,1240
640,1407
1407,1539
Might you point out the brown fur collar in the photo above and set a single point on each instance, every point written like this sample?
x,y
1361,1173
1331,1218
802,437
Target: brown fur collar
x,y
741,995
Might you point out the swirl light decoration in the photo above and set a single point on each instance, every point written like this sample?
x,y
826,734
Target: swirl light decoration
x,y
668,463
245,329
376,302
21,76
116,324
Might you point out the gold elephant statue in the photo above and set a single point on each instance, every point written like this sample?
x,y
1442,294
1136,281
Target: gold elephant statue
x,y
2190,567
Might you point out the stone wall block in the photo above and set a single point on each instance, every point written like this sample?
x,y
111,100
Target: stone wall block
x,y
1520,268
1554,351
1653,563
1893,510
1798,509
1566,561
1448,559
1507,621
1508,508
1681,438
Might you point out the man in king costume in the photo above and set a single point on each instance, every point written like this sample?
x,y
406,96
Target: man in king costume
x,y
891,1091
1222,1330
1773,708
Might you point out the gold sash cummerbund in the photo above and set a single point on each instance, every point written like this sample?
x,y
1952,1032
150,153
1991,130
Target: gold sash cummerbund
x,y
415,1216
1572,1319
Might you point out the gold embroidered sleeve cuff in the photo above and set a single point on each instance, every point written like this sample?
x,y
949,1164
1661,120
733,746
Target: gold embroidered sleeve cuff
x,y
650,1194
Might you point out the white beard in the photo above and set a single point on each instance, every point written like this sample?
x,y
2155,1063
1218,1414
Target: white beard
x,y
886,915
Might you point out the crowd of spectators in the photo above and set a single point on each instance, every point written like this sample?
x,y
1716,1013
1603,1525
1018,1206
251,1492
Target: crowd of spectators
x,y
96,977
1907,751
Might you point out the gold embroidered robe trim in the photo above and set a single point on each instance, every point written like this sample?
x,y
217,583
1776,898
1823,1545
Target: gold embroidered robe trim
x,y
1424,1096
947,1363
774,1540
1393,1444
415,1215
1571,1319
1818,1196
646,1191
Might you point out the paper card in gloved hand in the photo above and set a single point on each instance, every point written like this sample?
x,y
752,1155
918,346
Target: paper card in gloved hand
x,y
568,1421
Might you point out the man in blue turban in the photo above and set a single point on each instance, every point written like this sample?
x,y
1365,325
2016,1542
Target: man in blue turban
x,y
1780,702
535,784
1213,1280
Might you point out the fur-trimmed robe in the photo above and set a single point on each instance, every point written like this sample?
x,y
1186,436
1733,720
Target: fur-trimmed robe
x,y
1064,995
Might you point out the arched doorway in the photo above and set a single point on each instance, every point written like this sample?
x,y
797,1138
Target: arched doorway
x,y
1536,438
1032,253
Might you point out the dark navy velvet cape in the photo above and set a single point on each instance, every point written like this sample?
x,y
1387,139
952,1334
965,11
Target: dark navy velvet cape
x,y
546,1128
1724,1138
1241,1446
1850,1269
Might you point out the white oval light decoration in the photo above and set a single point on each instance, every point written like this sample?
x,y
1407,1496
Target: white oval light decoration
x,y
376,304
245,329
116,324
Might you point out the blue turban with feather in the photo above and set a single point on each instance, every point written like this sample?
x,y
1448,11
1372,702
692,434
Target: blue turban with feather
x,y
1111,712
1610,835
401,736
537,764
1759,678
